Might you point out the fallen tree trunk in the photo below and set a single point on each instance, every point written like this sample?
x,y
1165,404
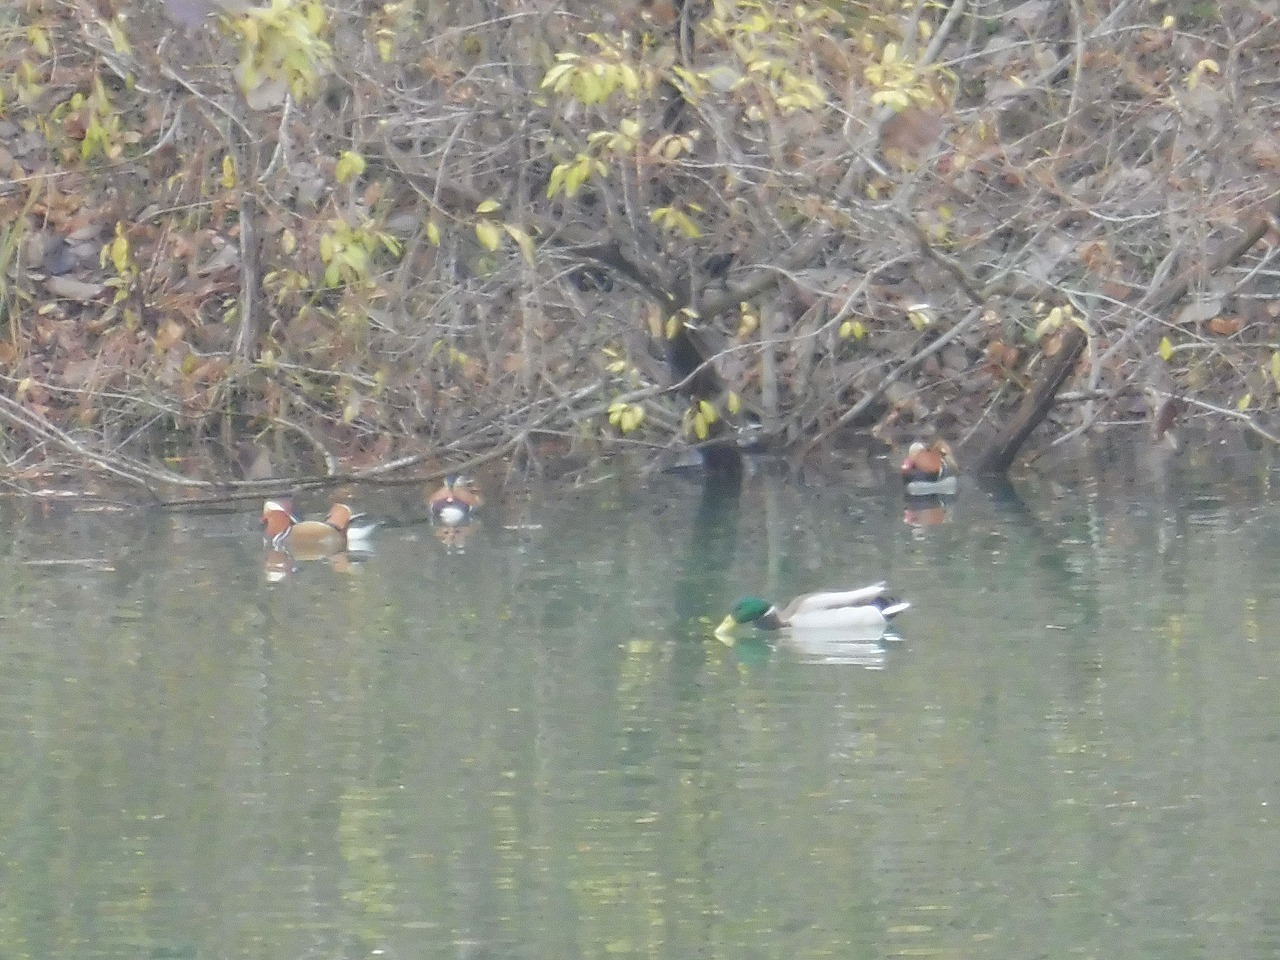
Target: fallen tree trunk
x,y
999,454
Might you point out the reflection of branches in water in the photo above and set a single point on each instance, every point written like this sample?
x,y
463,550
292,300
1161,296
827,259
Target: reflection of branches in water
x,y
1046,539
710,548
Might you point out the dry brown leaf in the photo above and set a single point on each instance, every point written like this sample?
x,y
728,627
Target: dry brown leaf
x,y
1116,290
77,373
170,333
68,288
1096,256
907,138
1265,152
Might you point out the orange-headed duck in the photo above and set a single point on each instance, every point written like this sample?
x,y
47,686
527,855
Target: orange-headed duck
x,y
929,469
342,530
455,502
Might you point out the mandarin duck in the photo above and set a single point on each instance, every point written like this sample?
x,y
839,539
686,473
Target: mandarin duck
x,y
342,530
864,608
929,469
455,501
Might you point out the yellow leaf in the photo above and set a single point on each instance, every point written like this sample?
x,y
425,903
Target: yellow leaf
x,y
895,100
708,412
919,319
1049,324
1199,70
488,206
352,409
228,172
489,235
1166,349
522,240
39,40
288,242
1275,368
433,233
120,251
700,427
1243,403
557,76
556,181
732,402
349,165
673,326
575,178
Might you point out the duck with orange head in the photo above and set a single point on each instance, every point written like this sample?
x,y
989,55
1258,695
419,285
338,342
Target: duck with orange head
x,y
455,502
930,469
342,530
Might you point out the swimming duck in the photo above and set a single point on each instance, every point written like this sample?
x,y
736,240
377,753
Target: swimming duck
x,y
342,530
867,607
454,502
929,469
358,527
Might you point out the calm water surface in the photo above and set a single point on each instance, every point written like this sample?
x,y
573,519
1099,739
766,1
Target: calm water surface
x,y
532,747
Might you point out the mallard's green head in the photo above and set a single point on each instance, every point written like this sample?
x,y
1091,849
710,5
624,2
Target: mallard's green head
x,y
746,610
749,609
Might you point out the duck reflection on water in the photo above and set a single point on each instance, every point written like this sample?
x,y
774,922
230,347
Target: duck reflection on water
x,y
867,648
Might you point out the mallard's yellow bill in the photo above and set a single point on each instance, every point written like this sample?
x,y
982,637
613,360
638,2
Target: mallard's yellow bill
x,y
724,632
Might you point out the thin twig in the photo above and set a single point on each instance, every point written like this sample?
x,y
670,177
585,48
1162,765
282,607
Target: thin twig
x,y
910,363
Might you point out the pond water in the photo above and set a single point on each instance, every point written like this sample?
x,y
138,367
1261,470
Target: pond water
x,y
529,745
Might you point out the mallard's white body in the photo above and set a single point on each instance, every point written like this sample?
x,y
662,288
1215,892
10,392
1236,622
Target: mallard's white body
x,y
843,608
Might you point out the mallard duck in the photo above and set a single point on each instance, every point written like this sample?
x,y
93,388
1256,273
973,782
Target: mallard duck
x,y
929,469
454,502
867,607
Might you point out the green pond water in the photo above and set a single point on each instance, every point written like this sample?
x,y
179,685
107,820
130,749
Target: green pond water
x,y
529,745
